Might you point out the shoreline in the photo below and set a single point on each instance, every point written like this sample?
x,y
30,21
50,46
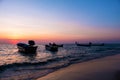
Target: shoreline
x,y
40,72
95,69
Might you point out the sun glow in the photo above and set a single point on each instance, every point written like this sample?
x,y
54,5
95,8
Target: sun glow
x,y
13,41
15,36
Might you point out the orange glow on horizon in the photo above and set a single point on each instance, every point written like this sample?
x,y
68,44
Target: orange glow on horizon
x,y
13,41
15,38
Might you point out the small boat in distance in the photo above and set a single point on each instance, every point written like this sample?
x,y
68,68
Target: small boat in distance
x,y
90,44
53,47
60,45
25,48
98,44
86,45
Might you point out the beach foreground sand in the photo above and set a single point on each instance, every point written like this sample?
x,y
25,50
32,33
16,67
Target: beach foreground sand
x,y
107,68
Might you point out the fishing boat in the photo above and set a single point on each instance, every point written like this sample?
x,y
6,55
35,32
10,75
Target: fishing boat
x,y
60,45
98,44
89,44
51,48
25,48
86,45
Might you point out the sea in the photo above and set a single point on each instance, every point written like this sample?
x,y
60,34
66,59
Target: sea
x,y
20,66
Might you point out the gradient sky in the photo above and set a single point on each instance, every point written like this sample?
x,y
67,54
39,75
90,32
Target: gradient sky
x,y
60,20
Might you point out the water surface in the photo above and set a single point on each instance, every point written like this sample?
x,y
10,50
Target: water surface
x,y
19,66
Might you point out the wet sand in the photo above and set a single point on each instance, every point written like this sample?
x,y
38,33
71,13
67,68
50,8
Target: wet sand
x,y
107,68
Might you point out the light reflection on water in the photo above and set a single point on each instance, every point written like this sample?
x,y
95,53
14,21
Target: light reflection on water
x,y
31,67
9,53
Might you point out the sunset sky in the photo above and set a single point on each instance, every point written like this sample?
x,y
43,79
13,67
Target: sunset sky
x,y
60,20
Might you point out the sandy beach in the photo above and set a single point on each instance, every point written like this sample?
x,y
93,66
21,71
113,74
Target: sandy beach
x,y
107,68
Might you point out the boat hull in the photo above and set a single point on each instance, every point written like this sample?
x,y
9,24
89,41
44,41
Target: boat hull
x,y
51,48
24,48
